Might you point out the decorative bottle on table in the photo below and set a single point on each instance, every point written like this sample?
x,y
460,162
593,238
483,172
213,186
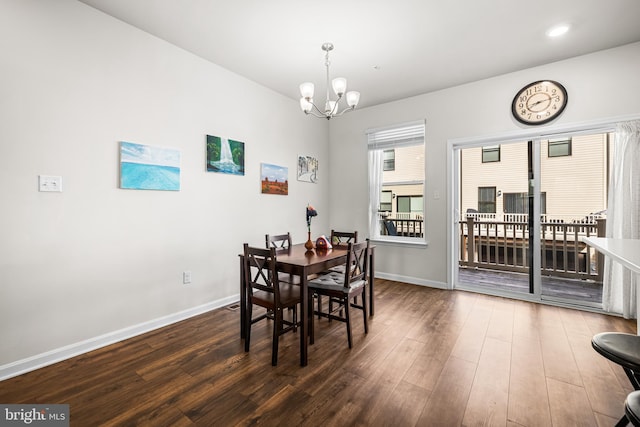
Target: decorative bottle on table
x,y
310,213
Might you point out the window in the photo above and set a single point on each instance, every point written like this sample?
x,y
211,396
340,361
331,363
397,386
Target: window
x,y
487,199
519,203
410,206
385,201
389,157
396,174
559,147
491,154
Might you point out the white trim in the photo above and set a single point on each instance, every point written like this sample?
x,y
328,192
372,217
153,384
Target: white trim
x,y
541,132
41,360
411,280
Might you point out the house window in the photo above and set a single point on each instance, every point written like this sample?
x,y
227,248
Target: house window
x,y
519,203
410,206
487,199
559,147
396,166
491,154
385,201
389,158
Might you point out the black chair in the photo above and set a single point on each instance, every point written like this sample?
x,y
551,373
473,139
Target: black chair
x,y
344,289
624,350
265,290
390,226
632,408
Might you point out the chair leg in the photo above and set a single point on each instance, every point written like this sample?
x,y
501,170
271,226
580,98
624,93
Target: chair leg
x,y
247,326
319,305
348,320
624,421
309,318
277,325
633,378
364,310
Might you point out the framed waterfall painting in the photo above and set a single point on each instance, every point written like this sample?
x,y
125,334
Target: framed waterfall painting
x,y
145,167
225,155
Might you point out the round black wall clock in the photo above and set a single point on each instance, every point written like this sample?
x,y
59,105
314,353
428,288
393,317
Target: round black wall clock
x,y
539,102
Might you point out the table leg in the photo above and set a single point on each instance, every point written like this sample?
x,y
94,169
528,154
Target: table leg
x,y
243,299
371,280
304,317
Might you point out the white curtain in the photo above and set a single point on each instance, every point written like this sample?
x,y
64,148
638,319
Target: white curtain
x,y
375,186
623,218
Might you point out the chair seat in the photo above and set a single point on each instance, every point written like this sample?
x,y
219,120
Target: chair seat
x,y
289,296
621,348
632,408
334,282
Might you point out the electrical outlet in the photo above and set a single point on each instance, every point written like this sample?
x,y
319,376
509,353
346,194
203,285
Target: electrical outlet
x,y
186,277
50,183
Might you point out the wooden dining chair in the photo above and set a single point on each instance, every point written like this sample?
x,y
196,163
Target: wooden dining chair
x,y
344,289
264,289
338,239
279,242
282,243
343,238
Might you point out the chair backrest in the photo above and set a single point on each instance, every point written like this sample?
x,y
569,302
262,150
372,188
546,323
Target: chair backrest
x,y
358,259
390,227
279,242
343,238
260,271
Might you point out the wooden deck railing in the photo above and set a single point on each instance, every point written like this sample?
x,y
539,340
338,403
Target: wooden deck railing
x,y
404,224
504,245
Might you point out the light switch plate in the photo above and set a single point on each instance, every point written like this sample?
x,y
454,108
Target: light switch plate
x,y
50,183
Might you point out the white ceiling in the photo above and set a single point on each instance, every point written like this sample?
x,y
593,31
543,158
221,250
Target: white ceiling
x,y
386,49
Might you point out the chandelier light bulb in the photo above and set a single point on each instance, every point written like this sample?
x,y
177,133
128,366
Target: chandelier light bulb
x,y
305,105
353,98
306,90
339,86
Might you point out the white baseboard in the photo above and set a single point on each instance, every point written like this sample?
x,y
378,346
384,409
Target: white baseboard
x,y
32,363
411,280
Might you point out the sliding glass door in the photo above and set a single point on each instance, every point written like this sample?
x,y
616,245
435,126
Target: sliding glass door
x,y
522,208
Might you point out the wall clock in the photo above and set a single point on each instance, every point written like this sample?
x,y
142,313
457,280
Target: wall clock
x,y
539,102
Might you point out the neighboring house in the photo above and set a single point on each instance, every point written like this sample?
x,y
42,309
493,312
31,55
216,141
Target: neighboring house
x,y
573,178
403,183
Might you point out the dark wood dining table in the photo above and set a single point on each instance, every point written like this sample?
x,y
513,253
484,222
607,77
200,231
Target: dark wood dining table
x,y
301,262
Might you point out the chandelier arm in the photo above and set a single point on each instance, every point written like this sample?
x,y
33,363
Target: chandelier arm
x,y
346,110
322,113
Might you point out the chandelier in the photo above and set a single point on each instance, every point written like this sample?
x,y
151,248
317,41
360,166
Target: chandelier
x,y
331,108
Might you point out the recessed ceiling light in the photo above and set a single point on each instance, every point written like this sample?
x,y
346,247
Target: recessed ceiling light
x,y
558,31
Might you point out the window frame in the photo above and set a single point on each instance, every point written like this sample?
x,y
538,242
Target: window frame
x,y
490,149
558,142
384,139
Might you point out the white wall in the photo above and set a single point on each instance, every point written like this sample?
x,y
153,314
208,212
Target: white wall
x,y
95,259
600,86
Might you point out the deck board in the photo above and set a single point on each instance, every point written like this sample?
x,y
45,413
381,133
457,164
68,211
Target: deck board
x,y
571,289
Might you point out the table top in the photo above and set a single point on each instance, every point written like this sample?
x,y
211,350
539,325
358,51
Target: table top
x,y
299,255
625,251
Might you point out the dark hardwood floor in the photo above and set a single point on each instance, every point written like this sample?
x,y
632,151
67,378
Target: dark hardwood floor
x,y
431,358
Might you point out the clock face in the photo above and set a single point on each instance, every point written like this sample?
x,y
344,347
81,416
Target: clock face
x,y
539,102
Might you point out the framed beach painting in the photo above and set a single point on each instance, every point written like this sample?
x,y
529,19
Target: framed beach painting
x,y
307,169
225,155
275,179
145,167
